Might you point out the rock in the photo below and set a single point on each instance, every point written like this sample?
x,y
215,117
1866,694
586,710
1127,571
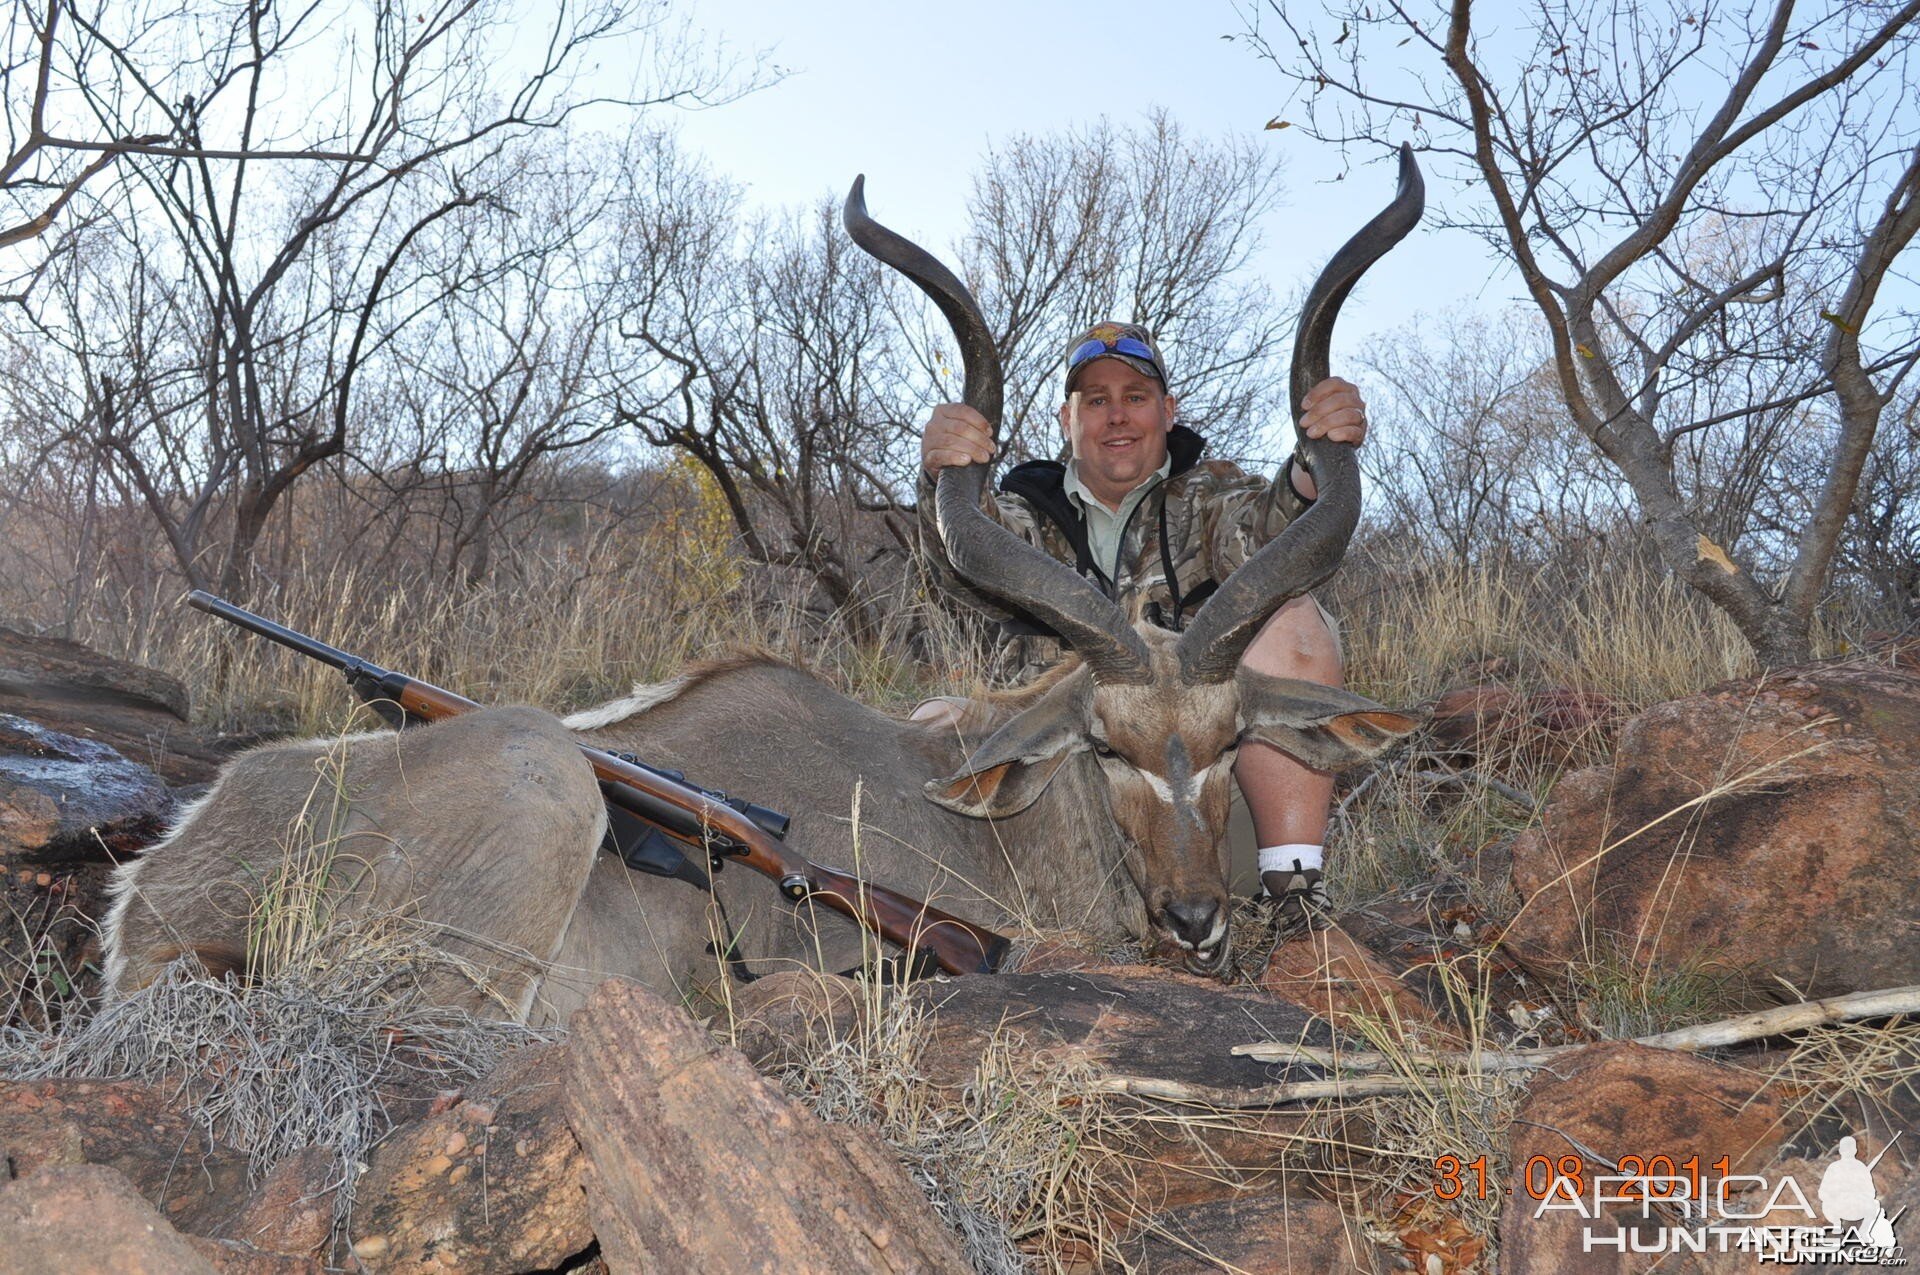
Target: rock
x,y
1338,979
64,799
131,1128
1428,934
231,1257
700,1163
1620,1100
491,1184
138,711
1901,650
1266,1234
68,808
292,1210
1768,1203
1153,1023
88,1217
1807,873
784,1015
1129,1020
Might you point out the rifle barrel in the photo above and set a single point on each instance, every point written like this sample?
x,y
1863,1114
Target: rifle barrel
x,y
312,648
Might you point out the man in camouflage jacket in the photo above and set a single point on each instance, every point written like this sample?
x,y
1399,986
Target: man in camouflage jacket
x,y
1141,514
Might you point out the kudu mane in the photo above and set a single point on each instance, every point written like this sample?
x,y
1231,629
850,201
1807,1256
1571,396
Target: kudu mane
x,y
650,695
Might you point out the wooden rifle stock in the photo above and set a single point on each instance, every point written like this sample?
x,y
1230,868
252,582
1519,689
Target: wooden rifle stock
x,y
687,814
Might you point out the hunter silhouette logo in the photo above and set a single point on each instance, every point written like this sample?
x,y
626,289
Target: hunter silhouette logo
x,y
1847,1196
1772,1218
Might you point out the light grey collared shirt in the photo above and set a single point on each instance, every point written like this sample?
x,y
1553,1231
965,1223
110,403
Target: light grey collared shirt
x,y
1104,525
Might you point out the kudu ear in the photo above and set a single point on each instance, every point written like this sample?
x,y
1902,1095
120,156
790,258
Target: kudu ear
x,y
1013,767
1323,726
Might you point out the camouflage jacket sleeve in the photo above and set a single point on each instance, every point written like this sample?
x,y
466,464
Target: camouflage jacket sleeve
x,y
1242,512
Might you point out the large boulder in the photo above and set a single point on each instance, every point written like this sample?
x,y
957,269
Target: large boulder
x,y
133,1128
699,1163
1334,975
1783,1200
63,798
88,1218
1769,827
1596,1109
138,711
1168,1032
1262,1235
491,1183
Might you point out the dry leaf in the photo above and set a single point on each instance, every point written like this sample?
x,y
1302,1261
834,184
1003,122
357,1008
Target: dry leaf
x,y
1277,122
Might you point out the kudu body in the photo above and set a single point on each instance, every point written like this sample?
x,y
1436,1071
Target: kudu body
x,y
1095,799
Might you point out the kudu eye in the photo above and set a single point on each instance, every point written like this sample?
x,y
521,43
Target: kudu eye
x,y
1101,749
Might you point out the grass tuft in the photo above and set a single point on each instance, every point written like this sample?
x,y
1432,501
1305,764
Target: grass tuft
x,y
316,1054
1023,1162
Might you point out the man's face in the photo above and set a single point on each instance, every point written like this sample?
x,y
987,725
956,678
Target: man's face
x,y
1124,418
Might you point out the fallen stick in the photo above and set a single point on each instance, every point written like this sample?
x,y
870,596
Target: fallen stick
x,y
1462,778
1727,1031
1264,1096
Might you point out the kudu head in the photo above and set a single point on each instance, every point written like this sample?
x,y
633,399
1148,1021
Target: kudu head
x,y
1162,714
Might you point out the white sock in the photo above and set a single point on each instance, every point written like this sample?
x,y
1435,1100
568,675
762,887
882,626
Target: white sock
x,y
1282,858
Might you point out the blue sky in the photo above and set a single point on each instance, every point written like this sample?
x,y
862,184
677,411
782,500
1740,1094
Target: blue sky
x,y
914,94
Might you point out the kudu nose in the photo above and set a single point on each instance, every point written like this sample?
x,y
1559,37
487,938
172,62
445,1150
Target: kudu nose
x,y
1192,920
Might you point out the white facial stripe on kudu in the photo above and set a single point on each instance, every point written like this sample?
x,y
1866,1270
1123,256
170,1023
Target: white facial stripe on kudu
x,y
1194,786
1159,785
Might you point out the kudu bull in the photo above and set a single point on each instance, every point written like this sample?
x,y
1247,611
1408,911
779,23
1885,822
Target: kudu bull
x,y
1095,798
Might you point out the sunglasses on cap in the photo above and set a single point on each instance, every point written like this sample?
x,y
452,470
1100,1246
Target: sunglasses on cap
x,y
1097,348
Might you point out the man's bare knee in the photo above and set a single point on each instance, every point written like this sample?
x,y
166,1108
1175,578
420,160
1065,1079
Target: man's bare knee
x,y
1296,641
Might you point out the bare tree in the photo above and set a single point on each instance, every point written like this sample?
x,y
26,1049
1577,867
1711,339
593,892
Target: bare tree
x,y
494,389
221,315
1883,552
1455,451
1141,223
774,366
1604,150
88,84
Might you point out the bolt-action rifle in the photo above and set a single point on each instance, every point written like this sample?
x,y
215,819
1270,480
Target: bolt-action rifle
x,y
718,828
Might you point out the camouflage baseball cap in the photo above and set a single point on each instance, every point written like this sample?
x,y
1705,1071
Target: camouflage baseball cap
x,y
1128,342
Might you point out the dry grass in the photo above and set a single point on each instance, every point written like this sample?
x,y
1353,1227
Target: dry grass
x,y
1629,631
293,906
632,603
311,1056
1859,1076
1465,1113
40,977
1024,1162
